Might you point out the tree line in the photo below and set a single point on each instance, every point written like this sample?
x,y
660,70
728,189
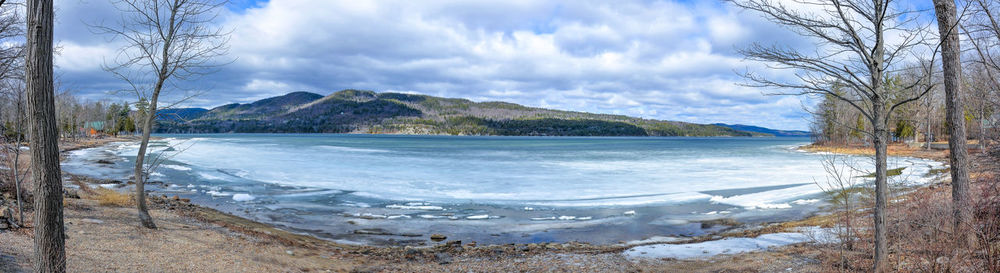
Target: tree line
x,y
74,116
922,122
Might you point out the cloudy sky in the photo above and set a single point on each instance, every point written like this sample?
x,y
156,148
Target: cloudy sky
x,y
672,60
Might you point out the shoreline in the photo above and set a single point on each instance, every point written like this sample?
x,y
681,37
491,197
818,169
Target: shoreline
x,y
901,150
436,254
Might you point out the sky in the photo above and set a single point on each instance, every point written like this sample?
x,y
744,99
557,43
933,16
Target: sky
x,y
669,60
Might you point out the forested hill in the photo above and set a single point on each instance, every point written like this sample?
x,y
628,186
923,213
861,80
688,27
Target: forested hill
x,y
758,129
356,111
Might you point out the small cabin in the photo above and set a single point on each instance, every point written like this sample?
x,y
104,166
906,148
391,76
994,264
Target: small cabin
x,y
92,128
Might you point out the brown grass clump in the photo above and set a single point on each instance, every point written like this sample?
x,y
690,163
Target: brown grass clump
x,y
112,198
922,235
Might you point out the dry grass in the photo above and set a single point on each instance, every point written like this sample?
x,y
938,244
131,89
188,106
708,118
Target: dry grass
x,y
894,150
112,198
118,244
922,235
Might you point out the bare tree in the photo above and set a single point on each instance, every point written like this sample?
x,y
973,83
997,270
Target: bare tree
x,y
11,144
166,42
12,92
979,89
947,15
850,50
929,106
842,177
50,250
982,30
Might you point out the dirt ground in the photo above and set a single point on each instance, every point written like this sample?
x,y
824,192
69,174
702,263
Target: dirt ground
x,y
109,239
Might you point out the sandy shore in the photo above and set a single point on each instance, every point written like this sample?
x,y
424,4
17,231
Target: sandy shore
x,y
198,239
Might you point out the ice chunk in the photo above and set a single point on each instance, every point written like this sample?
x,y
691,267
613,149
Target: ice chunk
x,y
217,194
478,217
712,248
243,197
420,206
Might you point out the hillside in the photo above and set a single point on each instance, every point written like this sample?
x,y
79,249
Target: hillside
x,y
758,129
357,111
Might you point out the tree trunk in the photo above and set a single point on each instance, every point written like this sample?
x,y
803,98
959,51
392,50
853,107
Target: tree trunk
x,y
140,177
50,252
17,182
950,59
880,141
982,130
17,160
929,137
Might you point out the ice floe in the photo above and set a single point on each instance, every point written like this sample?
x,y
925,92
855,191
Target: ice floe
x,y
415,206
478,217
219,194
708,249
243,197
176,167
712,248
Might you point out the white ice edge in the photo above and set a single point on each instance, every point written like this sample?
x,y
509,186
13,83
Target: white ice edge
x,y
708,249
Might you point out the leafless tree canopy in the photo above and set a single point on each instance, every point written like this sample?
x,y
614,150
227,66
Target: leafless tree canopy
x,y
857,44
166,42
981,29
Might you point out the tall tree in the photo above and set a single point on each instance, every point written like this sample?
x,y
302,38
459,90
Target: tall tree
x,y
955,111
167,41
50,251
849,49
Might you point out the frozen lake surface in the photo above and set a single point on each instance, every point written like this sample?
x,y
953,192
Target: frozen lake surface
x,y
381,189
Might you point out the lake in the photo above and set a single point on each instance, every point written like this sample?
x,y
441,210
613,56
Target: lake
x,y
393,189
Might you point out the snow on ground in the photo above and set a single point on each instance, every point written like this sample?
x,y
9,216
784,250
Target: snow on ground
x,y
708,249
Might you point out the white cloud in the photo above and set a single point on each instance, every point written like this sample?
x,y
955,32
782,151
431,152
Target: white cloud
x,y
81,58
655,59
265,85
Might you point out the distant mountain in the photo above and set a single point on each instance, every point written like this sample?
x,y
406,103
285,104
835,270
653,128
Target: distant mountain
x,y
180,114
358,111
757,129
261,109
